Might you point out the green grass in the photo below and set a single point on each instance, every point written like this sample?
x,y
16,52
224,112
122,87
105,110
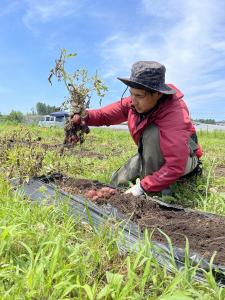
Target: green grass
x,y
46,254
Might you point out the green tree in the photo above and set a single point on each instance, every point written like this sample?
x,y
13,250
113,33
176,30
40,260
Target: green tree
x,y
15,116
1,117
44,109
206,121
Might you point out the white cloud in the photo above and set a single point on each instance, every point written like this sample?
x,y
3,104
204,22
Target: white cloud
x,y
45,11
190,43
121,51
162,8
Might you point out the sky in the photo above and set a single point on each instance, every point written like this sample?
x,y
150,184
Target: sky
x,y
187,36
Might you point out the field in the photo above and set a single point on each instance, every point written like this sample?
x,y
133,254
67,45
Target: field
x,y
45,254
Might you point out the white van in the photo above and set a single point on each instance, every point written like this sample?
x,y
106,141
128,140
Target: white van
x,y
56,119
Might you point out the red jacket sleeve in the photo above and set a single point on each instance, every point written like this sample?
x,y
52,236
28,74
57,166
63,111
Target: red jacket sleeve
x,y
112,114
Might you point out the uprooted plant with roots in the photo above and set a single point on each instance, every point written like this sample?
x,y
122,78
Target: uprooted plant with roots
x,y
80,87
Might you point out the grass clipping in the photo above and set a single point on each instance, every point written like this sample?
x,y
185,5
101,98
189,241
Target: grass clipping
x,y
80,87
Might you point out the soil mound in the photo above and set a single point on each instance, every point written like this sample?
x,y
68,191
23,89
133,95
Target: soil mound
x,y
205,232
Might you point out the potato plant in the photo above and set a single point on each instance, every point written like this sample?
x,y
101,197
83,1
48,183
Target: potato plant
x,y
80,87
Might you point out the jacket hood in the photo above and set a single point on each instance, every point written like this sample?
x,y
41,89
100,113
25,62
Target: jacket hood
x,y
178,94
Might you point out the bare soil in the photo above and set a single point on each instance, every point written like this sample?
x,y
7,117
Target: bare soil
x,y
220,175
220,171
77,151
205,232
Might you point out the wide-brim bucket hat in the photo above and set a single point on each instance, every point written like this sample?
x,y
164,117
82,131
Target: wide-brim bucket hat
x,y
148,75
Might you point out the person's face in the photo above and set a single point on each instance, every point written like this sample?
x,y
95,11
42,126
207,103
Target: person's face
x,y
142,100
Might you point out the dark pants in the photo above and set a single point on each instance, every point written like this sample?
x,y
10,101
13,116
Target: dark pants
x,y
149,159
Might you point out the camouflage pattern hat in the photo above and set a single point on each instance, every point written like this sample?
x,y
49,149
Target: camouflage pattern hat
x,y
148,75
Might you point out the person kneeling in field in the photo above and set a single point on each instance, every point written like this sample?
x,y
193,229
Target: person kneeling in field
x,y
159,123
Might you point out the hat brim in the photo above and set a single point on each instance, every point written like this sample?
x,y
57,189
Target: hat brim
x,y
165,89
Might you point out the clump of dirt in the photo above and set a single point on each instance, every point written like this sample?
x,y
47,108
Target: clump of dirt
x,y
205,232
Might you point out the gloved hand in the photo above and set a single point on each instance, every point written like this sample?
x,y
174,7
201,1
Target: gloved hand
x,y
135,190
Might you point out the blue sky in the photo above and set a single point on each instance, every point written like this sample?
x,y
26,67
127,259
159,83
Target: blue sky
x,y
188,37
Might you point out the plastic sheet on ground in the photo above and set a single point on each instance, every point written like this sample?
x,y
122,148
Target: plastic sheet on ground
x,y
84,210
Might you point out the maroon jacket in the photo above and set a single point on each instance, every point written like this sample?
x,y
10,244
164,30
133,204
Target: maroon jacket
x,y
175,127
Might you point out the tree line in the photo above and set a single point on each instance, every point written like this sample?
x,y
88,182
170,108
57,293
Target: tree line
x,y
18,117
45,109
205,121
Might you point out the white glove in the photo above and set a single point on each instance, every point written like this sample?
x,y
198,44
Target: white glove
x,y
135,190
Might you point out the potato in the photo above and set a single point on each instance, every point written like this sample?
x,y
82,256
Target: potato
x,y
105,192
105,189
100,194
73,139
107,195
113,191
90,194
76,119
85,128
